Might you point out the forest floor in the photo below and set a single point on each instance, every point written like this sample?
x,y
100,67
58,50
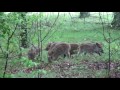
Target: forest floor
x,y
82,69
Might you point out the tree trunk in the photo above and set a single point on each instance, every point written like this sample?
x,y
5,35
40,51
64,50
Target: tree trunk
x,y
116,20
23,35
84,14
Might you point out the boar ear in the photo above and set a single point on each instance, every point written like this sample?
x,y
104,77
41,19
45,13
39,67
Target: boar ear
x,y
99,45
51,43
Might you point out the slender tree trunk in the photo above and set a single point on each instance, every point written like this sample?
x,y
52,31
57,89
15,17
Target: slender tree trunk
x,y
84,14
24,42
116,20
7,54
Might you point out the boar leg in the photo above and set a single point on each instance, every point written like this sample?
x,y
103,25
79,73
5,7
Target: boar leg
x,y
64,55
99,53
68,54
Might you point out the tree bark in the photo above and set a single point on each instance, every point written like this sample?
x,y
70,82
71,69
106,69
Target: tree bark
x,y
84,14
116,20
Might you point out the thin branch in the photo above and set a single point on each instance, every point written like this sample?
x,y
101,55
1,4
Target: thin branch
x,y
109,55
52,34
13,32
108,41
2,50
103,28
50,28
7,55
115,39
40,33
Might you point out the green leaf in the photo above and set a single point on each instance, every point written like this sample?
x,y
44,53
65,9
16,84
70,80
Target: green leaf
x,y
1,35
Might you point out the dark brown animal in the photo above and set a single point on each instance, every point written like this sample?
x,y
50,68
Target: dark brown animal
x,y
90,48
50,45
73,50
33,52
58,50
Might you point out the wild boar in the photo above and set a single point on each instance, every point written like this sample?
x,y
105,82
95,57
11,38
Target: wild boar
x,y
33,52
73,50
50,45
90,48
59,50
